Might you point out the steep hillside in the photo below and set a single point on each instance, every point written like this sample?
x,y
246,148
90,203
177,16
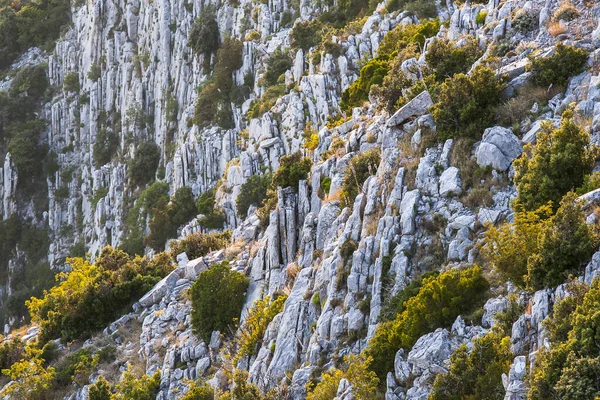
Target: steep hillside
x,y
300,199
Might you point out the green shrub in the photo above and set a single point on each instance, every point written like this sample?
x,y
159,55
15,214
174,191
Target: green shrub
x,y
445,59
355,370
361,167
306,34
253,192
403,36
140,388
439,301
277,63
267,101
100,390
9,36
25,151
30,80
465,104
204,34
525,22
565,246
182,208
76,367
396,304
197,391
200,244
255,325
205,203
142,168
98,195
105,146
11,351
566,62
71,82
372,73
214,98
217,285
569,368
480,18
292,169
347,249
92,295
94,72
540,252
559,162
476,373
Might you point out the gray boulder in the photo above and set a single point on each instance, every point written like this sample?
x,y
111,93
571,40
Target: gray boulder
x,y
450,182
416,107
498,148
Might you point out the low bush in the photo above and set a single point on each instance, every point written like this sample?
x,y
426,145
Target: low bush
x,y
253,193
465,104
217,285
71,82
292,169
142,168
277,63
200,244
569,368
140,388
92,295
445,59
558,162
476,373
30,81
372,73
539,251
355,370
306,34
105,146
267,101
566,62
396,304
439,301
255,325
360,168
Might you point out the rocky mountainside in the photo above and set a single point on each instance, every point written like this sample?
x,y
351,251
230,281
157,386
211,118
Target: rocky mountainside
x,y
384,172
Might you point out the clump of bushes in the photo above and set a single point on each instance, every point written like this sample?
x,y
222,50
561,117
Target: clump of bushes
x,y
372,73
105,146
169,217
557,163
465,104
439,301
306,34
355,370
215,97
267,101
566,62
71,82
204,35
445,59
142,168
395,305
255,325
476,373
277,63
213,218
360,168
200,244
538,250
92,295
568,369
219,285
253,193
292,169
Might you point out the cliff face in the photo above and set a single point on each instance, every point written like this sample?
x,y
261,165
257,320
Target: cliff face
x,y
138,79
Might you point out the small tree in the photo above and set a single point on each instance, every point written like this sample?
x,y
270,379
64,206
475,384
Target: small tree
x,y
361,167
217,296
277,63
292,169
557,163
